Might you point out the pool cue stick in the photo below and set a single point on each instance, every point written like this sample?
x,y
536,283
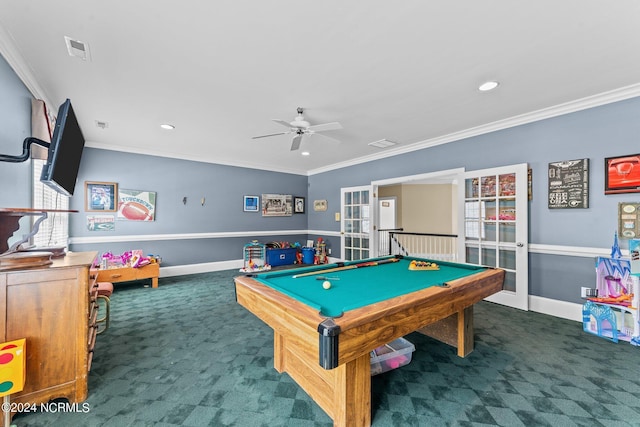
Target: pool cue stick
x,y
348,267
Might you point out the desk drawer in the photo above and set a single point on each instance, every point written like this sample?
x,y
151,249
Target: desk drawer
x,y
126,274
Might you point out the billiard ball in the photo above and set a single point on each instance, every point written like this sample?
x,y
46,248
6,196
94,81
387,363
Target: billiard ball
x,y
326,284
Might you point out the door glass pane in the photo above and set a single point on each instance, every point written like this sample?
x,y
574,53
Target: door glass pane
x,y
510,281
356,212
365,198
489,257
365,226
488,186
489,231
347,198
508,232
348,212
356,227
347,241
472,255
365,243
471,188
364,254
507,259
507,210
347,254
508,184
356,198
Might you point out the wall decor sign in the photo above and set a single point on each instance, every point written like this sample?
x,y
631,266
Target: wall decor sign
x,y
629,220
136,205
319,205
298,205
101,222
569,184
622,174
100,196
251,204
277,205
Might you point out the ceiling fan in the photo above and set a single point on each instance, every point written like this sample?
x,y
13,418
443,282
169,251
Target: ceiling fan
x,y
299,127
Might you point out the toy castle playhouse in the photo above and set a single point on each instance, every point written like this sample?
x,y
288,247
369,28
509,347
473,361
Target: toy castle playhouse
x,y
611,311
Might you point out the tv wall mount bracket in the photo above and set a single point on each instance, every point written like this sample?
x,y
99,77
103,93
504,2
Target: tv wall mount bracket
x,y
26,150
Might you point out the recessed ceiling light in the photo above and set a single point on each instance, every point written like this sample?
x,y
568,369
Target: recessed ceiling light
x,y
487,86
305,153
167,126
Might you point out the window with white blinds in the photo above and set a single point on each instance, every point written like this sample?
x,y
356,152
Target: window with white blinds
x,y
54,231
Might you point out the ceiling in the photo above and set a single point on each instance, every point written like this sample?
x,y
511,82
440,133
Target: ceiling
x,y
404,71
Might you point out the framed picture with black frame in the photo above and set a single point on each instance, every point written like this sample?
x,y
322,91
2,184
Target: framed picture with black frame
x,y
298,205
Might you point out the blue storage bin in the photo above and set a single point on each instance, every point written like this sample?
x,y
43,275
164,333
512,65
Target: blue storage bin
x,y
276,257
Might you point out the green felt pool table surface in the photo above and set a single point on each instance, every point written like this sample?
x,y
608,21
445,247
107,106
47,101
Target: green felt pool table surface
x,y
357,287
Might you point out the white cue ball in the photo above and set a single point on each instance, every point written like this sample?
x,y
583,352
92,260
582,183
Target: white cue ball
x,y
326,284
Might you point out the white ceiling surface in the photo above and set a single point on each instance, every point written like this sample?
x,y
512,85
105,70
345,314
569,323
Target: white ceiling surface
x,y
406,71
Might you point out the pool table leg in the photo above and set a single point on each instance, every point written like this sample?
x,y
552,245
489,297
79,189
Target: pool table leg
x,y
455,330
344,393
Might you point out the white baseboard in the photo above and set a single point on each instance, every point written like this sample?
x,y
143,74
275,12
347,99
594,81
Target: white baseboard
x,y
556,308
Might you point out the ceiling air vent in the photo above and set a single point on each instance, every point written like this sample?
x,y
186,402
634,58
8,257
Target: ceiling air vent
x,y
77,48
383,143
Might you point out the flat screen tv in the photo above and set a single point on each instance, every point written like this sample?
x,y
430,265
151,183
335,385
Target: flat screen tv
x,y
61,170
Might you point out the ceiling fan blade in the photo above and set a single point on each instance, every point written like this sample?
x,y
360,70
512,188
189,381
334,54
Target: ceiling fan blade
x,y
295,144
326,138
282,122
325,126
271,134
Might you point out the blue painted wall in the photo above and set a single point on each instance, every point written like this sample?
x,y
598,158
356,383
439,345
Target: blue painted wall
x,y
595,133
15,126
222,187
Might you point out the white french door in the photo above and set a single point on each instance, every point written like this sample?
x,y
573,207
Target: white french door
x,y
495,228
355,225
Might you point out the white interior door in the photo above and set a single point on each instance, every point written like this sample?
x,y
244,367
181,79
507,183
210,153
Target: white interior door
x,y
355,222
387,213
495,228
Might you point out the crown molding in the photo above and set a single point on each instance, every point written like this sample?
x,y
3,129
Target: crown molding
x,y
604,98
17,62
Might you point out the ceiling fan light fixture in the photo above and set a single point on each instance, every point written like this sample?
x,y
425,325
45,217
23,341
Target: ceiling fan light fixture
x,y
305,153
487,86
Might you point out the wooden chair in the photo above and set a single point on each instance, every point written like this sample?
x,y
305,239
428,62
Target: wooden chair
x,y
105,289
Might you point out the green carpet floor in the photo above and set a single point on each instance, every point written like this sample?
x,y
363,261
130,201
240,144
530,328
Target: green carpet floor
x,y
186,354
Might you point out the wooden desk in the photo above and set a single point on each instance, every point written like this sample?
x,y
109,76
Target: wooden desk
x,y
127,274
54,308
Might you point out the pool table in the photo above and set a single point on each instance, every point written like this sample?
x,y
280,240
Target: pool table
x,y
323,337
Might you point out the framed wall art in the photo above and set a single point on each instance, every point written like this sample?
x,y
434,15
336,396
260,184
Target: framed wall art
x,y
319,205
569,184
100,196
136,205
622,174
298,205
277,205
251,204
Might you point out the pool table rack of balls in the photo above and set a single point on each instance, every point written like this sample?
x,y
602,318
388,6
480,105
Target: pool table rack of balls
x,y
323,335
